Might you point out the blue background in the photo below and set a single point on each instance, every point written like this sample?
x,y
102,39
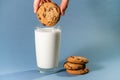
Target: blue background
x,y
90,28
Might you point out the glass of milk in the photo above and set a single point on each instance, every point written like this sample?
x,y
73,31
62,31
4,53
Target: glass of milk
x,y
47,45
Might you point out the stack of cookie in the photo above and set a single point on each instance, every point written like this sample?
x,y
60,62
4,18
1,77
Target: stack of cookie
x,y
76,65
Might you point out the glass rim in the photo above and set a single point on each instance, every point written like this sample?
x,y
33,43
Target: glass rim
x,y
41,27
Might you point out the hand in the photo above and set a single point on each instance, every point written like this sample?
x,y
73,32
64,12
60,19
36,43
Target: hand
x,y
63,5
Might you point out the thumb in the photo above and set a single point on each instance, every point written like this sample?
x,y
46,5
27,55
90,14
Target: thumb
x,y
63,6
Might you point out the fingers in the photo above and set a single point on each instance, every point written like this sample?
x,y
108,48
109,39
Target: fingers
x,y
36,5
46,0
63,6
49,0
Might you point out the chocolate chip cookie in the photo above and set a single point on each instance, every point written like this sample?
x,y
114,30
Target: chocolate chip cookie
x,y
49,14
76,72
73,66
77,59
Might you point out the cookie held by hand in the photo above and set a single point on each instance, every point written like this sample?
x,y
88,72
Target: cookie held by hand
x,y
49,14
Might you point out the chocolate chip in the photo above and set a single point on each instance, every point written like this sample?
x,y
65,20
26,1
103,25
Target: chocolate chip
x,y
45,9
50,8
44,15
72,57
78,58
56,9
82,66
39,18
55,4
79,67
43,24
48,21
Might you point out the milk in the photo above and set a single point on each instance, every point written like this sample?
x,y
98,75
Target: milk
x,y
47,45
